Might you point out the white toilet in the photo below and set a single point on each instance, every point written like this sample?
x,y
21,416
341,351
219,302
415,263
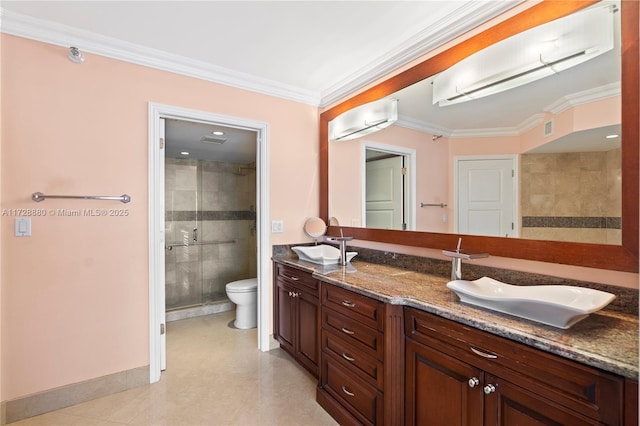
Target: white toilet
x,y
244,293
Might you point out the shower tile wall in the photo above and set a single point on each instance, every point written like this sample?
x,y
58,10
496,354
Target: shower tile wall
x,y
572,196
218,199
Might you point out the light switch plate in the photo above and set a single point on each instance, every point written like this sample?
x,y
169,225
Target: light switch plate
x,y
23,226
277,227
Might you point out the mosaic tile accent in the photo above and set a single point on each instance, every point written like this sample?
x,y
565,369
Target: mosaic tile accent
x,y
190,215
571,222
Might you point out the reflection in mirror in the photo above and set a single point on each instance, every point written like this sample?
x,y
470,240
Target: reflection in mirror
x,y
530,162
315,228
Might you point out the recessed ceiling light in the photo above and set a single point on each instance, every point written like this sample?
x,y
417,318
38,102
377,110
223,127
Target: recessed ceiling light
x,y
611,136
184,153
217,133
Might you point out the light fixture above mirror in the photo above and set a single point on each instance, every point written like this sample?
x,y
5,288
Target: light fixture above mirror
x,y
364,120
534,54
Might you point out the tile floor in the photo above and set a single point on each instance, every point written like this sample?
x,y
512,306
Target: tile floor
x,y
215,376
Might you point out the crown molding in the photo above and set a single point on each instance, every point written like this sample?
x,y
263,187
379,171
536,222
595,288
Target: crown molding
x,y
462,20
590,95
422,126
562,104
88,42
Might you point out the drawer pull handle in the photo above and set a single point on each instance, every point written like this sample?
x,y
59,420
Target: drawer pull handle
x,y
347,391
473,382
293,278
347,331
348,304
347,357
482,353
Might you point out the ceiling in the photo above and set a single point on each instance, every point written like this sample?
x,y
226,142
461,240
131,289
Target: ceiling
x,y
236,145
316,52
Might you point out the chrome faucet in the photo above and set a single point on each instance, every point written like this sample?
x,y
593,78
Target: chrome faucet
x,y
456,260
342,241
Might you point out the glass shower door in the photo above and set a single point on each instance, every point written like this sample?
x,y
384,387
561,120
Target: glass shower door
x,y
183,256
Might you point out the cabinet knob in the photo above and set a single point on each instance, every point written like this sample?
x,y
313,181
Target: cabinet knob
x,y
347,391
473,382
290,293
347,357
489,389
347,331
348,304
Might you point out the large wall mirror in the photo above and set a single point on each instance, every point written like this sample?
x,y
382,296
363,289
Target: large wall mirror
x,y
567,193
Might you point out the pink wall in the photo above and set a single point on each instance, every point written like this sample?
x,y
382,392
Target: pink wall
x,y
604,112
345,160
345,181
2,414
75,294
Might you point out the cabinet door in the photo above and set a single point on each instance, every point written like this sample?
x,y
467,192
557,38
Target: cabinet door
x,y
507,404
307,351
284,325
438,390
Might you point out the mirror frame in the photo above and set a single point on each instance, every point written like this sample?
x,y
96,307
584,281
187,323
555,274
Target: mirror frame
x,y
611,257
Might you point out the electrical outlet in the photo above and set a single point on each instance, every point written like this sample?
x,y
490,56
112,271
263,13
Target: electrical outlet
x,y
277,227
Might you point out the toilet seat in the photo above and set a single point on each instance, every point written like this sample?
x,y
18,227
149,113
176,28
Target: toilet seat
x,y
242,286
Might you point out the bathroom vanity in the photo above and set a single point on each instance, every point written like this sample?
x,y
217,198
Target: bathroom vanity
x,y
295,324
394,348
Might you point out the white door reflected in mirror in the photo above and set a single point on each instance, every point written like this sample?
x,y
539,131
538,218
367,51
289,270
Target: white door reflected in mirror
x,y
487,191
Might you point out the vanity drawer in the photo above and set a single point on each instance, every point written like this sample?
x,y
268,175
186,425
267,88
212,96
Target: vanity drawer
x,y
587,390
296,277
361,399
362,308
362,337
353,359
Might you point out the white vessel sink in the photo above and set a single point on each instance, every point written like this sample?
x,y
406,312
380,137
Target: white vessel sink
x,y
557,305
322,254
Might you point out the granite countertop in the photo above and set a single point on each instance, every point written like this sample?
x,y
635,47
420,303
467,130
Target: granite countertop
x,y
606,339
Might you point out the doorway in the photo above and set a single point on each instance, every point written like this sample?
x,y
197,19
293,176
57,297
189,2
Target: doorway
x,y
389,187
210,215
157,238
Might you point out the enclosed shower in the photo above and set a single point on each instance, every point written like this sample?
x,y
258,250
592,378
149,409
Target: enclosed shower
x,y
210,233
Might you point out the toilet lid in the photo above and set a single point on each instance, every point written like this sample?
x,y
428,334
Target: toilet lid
x,y
243,285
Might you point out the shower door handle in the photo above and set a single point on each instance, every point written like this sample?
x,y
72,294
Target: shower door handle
x,y
195,234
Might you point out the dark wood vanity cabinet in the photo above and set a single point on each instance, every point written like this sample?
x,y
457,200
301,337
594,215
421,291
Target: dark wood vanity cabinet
x,y
351,386
296,311
457,375
384,364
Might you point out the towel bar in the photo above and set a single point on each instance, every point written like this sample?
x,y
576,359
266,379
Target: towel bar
x,y
39,196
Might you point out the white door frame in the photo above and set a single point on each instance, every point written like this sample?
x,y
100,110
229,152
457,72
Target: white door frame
x,y
516,192
156,223
410,205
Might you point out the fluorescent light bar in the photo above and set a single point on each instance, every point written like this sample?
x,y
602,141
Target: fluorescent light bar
x,y
364,120
526,57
